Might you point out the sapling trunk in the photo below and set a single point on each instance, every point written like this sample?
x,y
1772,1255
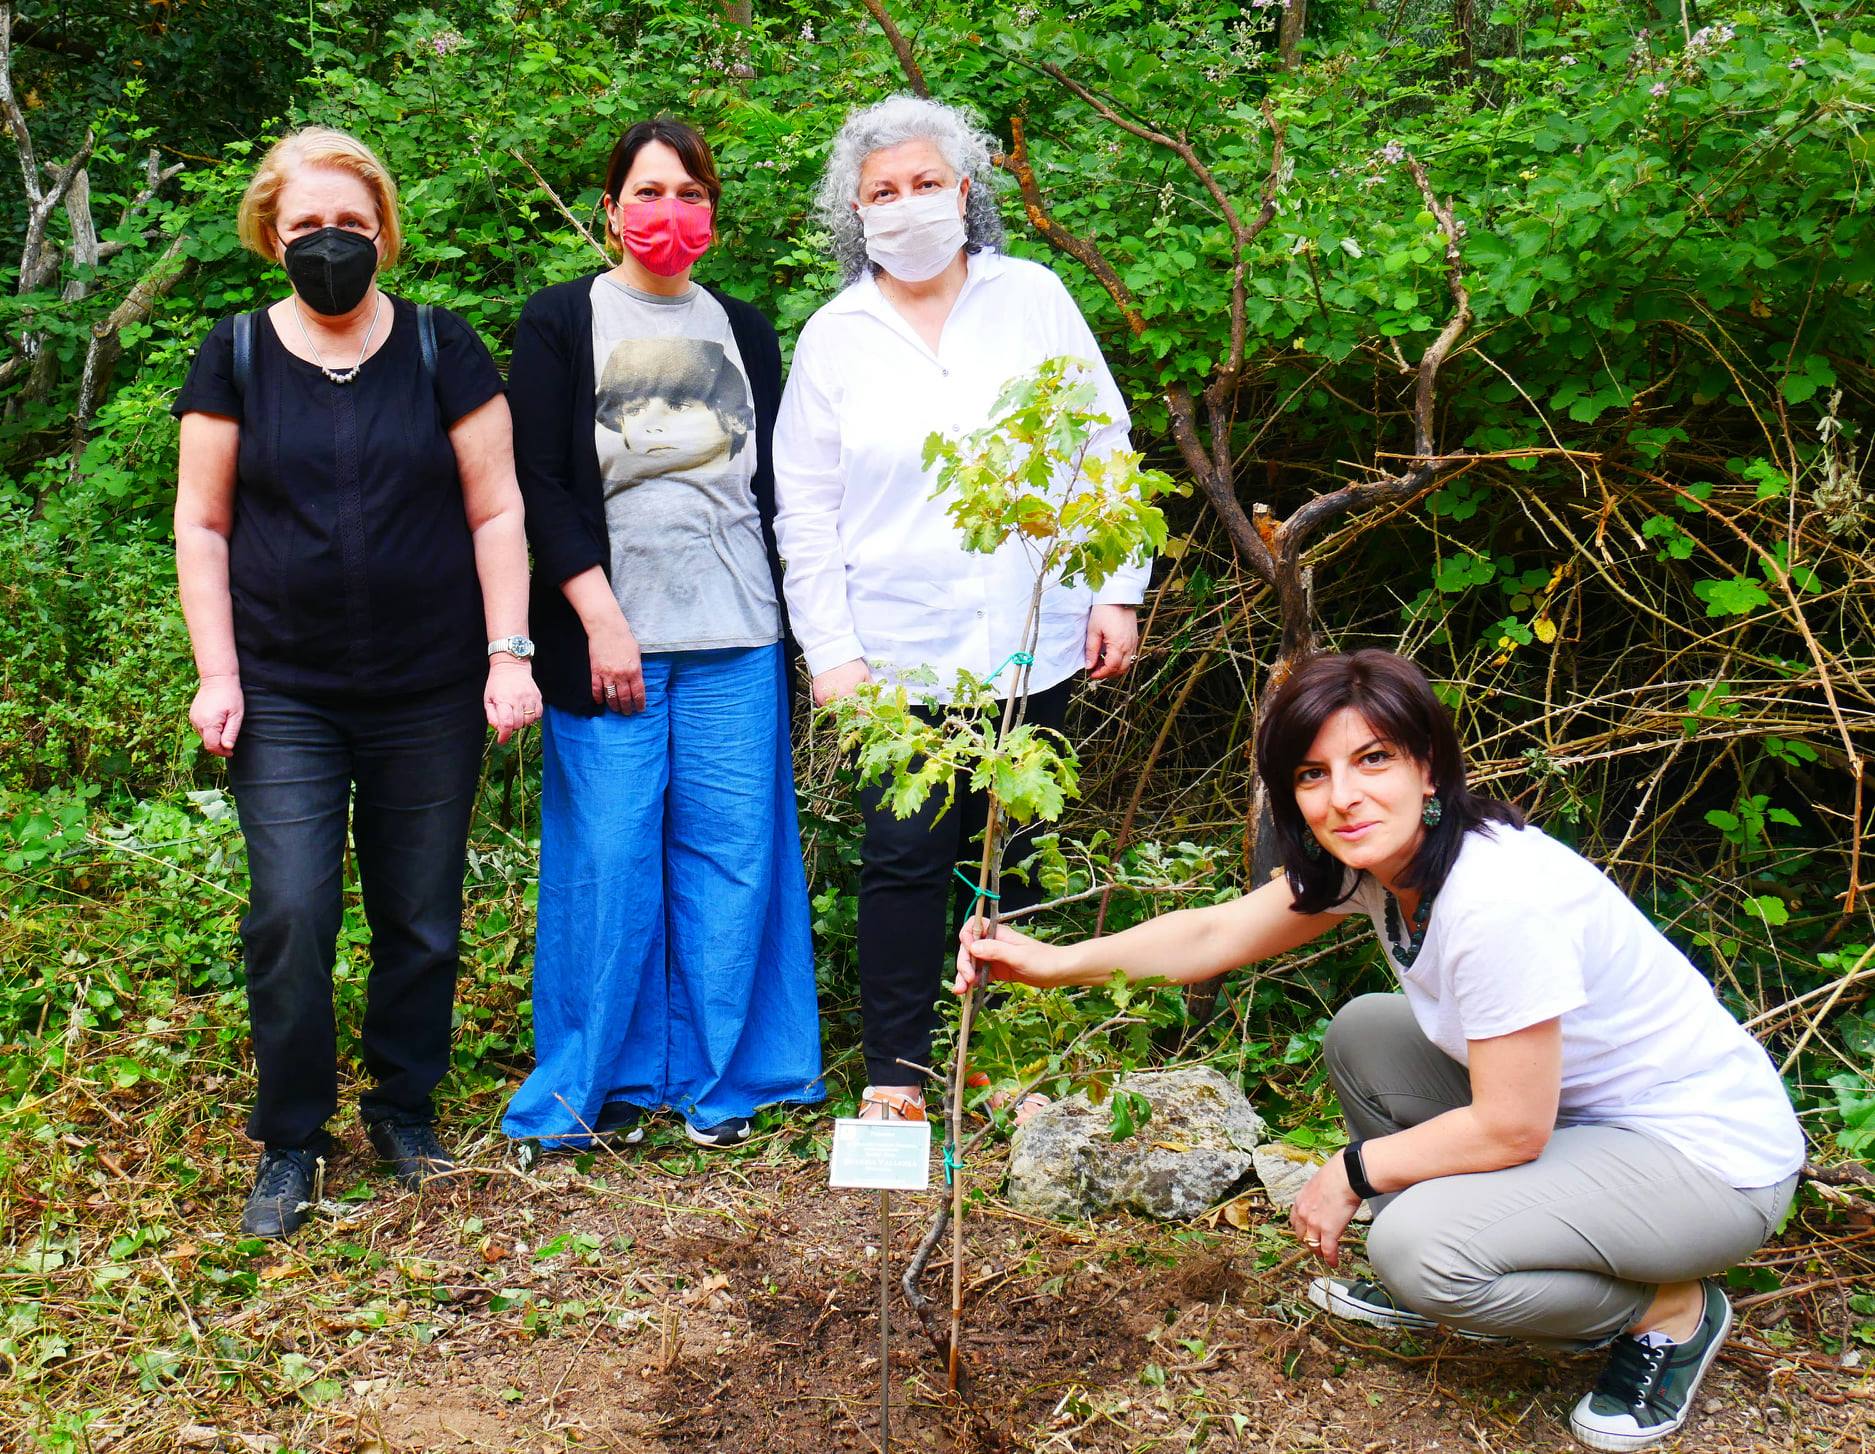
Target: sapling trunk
x,y
983,907
1006,480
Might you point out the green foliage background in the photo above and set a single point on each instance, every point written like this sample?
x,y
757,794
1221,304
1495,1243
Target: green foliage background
x,y
1635,598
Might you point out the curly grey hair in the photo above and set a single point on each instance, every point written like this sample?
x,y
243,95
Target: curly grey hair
x,y
966,149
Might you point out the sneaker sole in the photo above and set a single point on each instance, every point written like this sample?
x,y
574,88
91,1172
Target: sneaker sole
x,y
1331,1300
1604,1439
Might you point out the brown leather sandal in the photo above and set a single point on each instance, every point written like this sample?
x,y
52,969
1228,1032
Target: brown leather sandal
x,y
1034,1103
890,1105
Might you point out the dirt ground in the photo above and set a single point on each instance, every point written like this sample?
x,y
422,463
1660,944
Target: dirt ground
x,y
664,1300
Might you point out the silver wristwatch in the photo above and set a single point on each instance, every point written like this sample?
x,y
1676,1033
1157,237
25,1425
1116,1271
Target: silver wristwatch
x,y
516,646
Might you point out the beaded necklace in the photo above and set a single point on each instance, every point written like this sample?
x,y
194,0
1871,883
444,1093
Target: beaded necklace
x,y
1407,952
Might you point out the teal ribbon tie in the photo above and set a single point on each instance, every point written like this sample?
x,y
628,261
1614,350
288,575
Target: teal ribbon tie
x,y
971,884
952,1165
1020,658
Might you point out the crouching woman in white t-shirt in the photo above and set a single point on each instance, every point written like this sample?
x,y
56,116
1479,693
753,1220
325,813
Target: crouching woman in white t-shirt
x,y
1562,1131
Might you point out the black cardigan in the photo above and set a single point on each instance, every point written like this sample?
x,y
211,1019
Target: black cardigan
x,y
550,389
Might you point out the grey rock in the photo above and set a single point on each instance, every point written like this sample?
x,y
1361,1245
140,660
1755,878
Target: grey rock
x,y
1284,1170
1192,1153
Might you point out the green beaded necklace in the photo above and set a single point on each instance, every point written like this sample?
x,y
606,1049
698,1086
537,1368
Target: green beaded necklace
x,y
1407,952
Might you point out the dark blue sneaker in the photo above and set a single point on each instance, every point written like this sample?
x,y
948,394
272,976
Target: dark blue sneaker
x,y
1646,1391
1363,1300
732,1132
618,1124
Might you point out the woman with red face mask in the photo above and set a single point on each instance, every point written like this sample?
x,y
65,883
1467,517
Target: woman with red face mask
x,y
673,960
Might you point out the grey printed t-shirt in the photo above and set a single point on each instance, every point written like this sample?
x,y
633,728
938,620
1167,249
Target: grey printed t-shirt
x,y
674,424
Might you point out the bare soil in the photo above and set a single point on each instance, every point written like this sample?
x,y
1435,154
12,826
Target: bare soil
x,y
665,1300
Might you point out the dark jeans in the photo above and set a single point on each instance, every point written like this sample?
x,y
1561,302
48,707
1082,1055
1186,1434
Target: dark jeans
x,y
907,884
408,769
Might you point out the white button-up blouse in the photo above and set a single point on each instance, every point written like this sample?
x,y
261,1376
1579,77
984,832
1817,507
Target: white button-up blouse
x,y
874,567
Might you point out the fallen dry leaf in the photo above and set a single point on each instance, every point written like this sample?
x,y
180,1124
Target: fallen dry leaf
x,y
710,1285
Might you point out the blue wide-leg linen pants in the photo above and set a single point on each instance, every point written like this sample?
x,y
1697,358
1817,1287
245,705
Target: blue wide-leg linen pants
x,y
674,962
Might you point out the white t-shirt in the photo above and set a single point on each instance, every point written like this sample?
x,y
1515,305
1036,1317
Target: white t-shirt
x,y
1525,930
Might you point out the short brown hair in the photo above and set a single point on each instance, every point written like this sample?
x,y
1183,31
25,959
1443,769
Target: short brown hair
x,y
316,146
692,150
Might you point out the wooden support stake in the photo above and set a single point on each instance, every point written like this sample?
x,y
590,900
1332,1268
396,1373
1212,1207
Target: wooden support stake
x,y
885,1322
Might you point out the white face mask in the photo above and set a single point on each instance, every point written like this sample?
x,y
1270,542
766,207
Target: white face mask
x,y
914,239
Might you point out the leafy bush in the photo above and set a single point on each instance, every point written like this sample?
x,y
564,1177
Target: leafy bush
x,y
1643,595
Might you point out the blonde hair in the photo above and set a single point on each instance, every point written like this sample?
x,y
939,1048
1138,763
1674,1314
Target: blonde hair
x,y
315,146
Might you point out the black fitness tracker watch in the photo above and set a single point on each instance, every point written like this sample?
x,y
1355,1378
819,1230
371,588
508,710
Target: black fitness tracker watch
x,y
1357,1171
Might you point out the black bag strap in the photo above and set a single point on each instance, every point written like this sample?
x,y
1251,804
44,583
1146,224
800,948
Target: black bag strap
x,y
243,351
244,345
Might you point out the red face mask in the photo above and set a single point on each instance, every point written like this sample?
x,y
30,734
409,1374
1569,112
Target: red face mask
x,y
666,234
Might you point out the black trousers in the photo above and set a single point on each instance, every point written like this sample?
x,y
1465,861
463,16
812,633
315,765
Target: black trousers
x,y
907,887
407,768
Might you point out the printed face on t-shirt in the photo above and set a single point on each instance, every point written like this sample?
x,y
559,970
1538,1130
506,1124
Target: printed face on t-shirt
x,y
679,405
666,436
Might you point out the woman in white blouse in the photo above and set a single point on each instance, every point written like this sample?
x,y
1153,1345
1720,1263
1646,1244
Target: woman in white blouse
x,y
934,320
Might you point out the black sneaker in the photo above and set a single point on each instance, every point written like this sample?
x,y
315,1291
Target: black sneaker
x,y
1646,1391
283,1194
618,1124
732,1132
1363,1301
411,1149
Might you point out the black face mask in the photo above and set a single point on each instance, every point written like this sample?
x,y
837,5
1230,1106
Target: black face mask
x,y
331,269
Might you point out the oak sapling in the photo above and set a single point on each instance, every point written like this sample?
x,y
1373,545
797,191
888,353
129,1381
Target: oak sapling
x,y
1028,475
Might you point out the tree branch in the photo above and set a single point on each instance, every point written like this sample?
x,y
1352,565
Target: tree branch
x,y
901,47
40,37
155,175
84,244
1181,405
10,109
565,211
1294,534
42,201
106,344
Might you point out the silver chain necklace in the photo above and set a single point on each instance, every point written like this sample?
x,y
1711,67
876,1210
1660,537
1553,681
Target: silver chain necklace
x,y
339,376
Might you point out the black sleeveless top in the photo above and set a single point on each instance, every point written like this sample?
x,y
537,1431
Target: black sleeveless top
x,y
350,562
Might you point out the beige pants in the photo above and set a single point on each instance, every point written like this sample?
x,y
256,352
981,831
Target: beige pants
x,y
1569,1248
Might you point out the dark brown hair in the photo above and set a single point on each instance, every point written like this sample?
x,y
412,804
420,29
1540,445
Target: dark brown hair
x,y
692,150
1397,701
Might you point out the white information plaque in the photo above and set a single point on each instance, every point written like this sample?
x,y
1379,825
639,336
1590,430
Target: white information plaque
x,y
887,1155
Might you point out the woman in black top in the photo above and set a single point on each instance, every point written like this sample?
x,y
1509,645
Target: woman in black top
x,y
348,538
673,961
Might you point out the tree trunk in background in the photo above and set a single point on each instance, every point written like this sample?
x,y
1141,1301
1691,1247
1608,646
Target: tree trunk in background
x,y
1289,33
741,14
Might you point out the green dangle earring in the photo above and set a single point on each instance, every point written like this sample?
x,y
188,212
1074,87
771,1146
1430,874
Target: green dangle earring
x,y
1432,812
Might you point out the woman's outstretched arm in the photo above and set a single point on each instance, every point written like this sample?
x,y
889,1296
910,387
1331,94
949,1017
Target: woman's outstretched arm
x,y
1181,947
